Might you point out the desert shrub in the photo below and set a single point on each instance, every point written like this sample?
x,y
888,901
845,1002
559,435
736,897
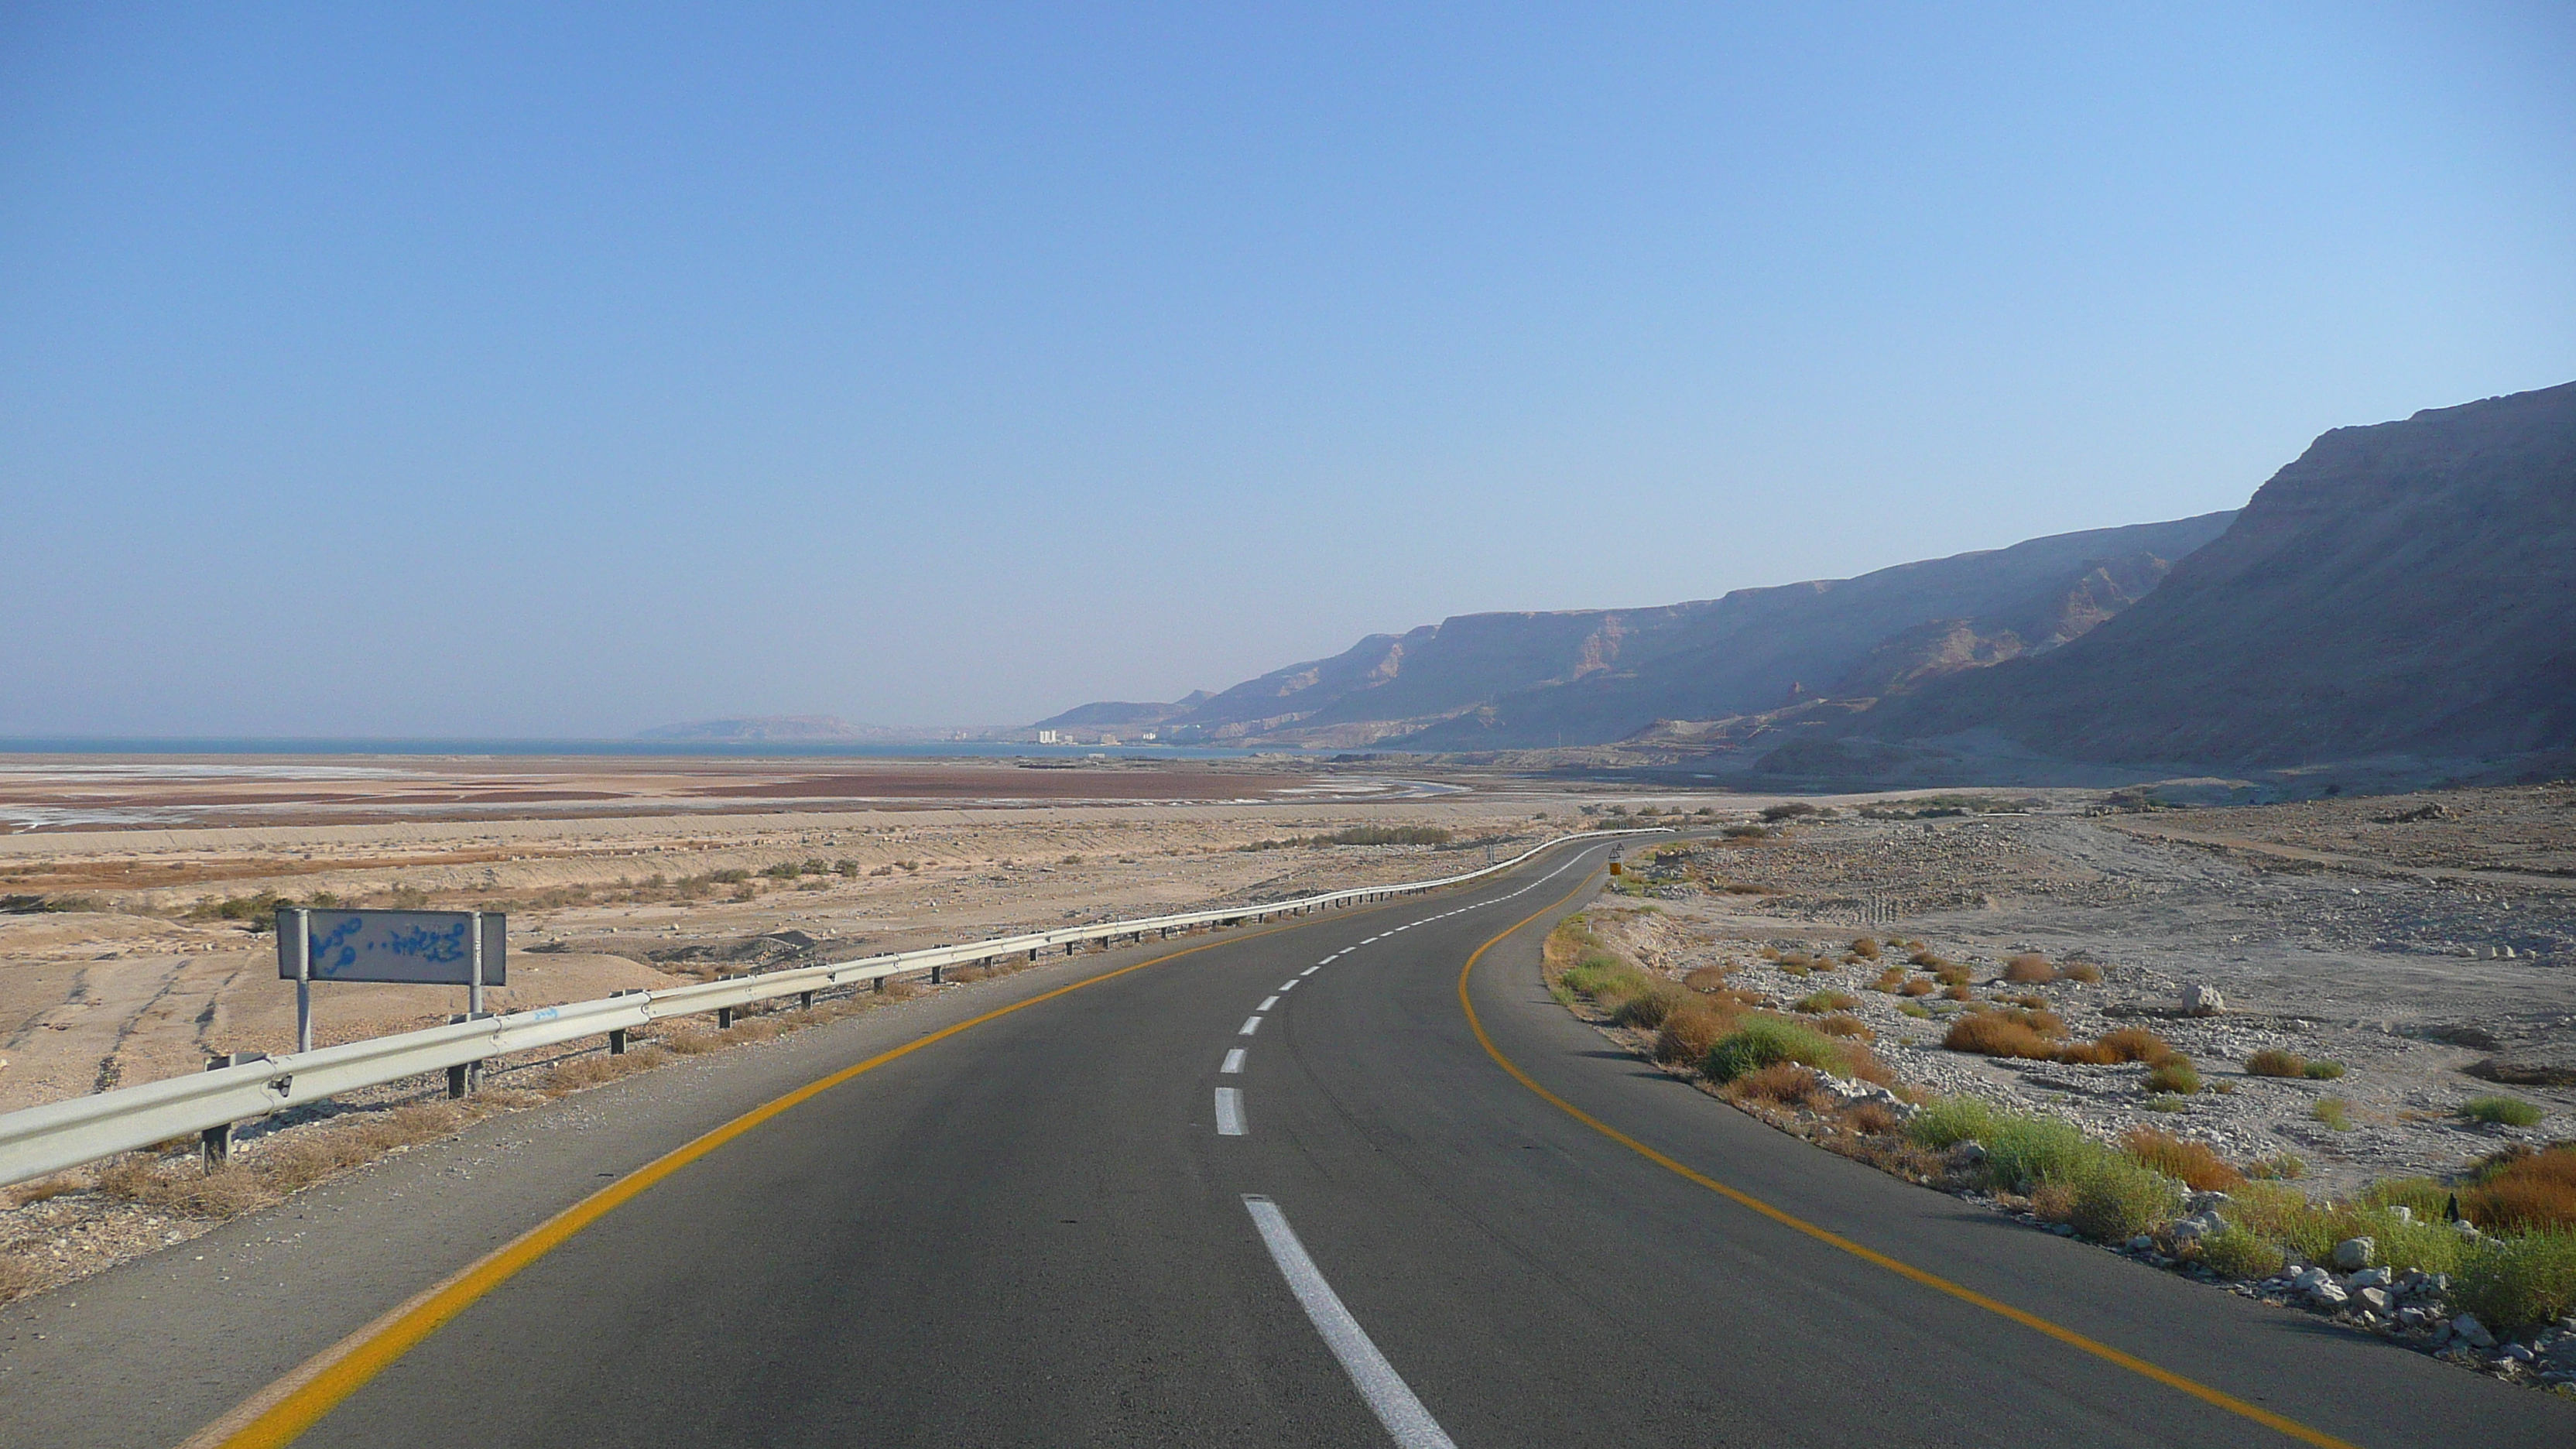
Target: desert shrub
x,y
1865,948
1388,835
2191,1163
1789,811
1992,1034
2279,1167
1843,1023
1708,978
1870,1119
218,1194
2500,1111
2088,1054
2167,1102
1819,1002
1915,1010
784,870
2135,1044
1689,1031
2118,1198
2322,1071
1767,1041
2052,1201
2029,969
1919,986
2514,1282
1924,958
2232,1252
2024,1151
1785,1083
2276,1062
1889,979
1957,993
18,1277
2084,971
1647,1009
1948,1121
691,1041
2174,1074
2525,1192
1949,975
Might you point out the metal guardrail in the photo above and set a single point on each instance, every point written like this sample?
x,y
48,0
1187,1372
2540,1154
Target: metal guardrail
x,y
41,1140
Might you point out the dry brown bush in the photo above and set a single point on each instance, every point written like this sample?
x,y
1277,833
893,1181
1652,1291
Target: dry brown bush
x,y
18,1277
1870,1119
1889,979
760,1029
2029,969
1917,986
2135,1044
1992,1034
2037,1018
1949,975
692,1041
1787,1084
2053,1202
45,1189
2531,1192
1865,948
1843,1023
2276,1062
1708,978
2084,971
2178,1157
967,973
217,1194
1690,1031
591,1071
1956,991
2088,1054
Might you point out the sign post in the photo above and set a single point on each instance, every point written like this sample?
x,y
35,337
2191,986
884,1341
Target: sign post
x,y
421,948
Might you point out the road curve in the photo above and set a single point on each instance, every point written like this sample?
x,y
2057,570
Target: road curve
x,y
1273,1192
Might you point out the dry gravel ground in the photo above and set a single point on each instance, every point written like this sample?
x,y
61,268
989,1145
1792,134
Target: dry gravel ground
x,y
2386,952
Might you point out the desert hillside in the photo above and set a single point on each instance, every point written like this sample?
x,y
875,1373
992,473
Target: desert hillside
x,y
2407,587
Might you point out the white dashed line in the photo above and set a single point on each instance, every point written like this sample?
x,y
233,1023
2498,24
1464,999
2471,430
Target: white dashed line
x,y
1267,1002
1288,985
1229,1112
1251,1024
1406,1420
1311,970
1233,1061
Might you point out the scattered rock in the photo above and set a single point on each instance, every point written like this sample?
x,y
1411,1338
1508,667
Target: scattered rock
x,y
2199,999
2467,1328
2368,1278
2201,1202
2374,1299
2327,1295
2353,1254
2199,1225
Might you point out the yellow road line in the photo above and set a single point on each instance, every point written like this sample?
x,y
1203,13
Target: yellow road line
x,y
279,1414
1935,1282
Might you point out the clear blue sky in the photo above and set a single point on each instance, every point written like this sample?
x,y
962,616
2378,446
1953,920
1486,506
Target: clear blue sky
x,y
507,369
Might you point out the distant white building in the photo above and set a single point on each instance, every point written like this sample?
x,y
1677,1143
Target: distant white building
x,y
1049,737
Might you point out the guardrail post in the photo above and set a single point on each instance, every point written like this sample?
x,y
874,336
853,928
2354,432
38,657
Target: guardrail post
x,y
215,1144
460,1080
879,985
1033,953
724,1018
617,1041
805,1000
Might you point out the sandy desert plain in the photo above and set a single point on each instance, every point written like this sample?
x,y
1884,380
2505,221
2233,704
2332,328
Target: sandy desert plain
x,y
2413,938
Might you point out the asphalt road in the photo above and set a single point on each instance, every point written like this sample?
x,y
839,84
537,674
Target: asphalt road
x,y
1036,1232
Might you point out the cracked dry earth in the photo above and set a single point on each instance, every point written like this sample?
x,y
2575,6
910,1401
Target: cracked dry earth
x,y
2389,972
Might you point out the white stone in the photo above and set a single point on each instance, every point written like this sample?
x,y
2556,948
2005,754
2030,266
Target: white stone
x,y
2353,1254
2201,1000
2466,1326
2368,1278
2326,1295
2374,1299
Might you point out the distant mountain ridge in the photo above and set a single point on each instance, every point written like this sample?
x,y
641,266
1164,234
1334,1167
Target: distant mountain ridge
x,y
769,729
2402,591
1590,676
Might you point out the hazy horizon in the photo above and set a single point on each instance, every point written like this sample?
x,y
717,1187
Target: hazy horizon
x,y
468,372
